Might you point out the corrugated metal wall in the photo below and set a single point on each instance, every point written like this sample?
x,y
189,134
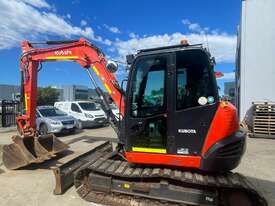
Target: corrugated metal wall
x,y
257,58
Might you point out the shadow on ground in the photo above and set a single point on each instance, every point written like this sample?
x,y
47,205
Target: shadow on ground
x,y
91,139
266,188
64,134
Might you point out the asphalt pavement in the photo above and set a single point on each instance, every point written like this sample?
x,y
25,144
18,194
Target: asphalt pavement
x,y
33,186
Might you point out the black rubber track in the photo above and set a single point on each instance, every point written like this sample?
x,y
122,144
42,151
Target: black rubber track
x,y
111,164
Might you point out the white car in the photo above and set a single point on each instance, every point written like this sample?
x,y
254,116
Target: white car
x,y
51,120
86,112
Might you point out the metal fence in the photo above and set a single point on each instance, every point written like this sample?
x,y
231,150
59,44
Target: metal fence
x,y
9,109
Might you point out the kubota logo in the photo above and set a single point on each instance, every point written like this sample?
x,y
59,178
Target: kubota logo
x,y
63,52
187,131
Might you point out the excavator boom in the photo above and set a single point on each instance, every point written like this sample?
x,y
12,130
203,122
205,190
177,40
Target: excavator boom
x,y
31,147
81,52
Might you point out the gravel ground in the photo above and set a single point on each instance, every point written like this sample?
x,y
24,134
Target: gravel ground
x,y
33,186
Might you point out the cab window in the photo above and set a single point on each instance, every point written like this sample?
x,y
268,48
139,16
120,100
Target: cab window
x,y
195,80
148,92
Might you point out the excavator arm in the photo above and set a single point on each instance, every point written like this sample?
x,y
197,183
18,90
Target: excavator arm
x,y
30,146
80,51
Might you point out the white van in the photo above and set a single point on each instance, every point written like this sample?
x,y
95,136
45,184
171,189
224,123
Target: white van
x,y
86,112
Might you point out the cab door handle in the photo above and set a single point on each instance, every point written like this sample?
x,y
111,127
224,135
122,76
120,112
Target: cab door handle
x,y
137,126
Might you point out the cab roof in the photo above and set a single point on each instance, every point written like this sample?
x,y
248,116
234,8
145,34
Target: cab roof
x,y
172,48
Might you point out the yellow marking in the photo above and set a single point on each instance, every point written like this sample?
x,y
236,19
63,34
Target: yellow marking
x,y
62,57
95,70
126,185
26,102
108,88
149,150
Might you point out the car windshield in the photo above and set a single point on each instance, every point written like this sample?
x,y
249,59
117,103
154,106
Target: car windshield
x,y
51,112
88,106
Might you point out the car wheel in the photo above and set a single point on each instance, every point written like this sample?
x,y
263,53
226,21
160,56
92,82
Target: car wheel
x,y
43,129
73,130
79,124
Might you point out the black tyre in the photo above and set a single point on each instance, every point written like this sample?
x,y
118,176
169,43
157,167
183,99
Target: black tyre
x,y
73,130
43,129
79,124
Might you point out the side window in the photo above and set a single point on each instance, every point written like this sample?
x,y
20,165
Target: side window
x,y
195,80
38,115
75,108
148,92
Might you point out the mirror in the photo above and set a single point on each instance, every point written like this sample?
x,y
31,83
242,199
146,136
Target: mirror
x,y
130,59
112,66
218,74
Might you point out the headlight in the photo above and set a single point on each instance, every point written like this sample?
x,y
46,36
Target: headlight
x,y
55,122
89,115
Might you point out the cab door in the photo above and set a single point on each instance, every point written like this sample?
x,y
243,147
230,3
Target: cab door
x,y
146,115
194,101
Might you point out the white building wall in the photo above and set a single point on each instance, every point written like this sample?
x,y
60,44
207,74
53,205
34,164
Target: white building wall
x,y
257,72
8,92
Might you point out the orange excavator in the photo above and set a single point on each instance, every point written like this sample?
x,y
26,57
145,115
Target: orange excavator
x,y
177,141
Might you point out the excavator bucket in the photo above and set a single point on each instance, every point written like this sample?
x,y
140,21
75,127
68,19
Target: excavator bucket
x,y
27,150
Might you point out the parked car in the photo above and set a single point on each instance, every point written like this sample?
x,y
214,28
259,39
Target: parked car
x,y
52,120
86,112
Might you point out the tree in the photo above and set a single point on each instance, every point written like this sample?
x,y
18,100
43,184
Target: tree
x,y
47,96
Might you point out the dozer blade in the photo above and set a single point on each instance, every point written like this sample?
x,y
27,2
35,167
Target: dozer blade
x,y
27,150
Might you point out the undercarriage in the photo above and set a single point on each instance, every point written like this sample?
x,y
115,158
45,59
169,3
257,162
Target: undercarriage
x,y
105,177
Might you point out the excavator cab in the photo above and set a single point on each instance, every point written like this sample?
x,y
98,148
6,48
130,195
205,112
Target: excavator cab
x,y
180,139
172,102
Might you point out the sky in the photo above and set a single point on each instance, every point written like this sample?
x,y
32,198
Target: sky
x,y
118,27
